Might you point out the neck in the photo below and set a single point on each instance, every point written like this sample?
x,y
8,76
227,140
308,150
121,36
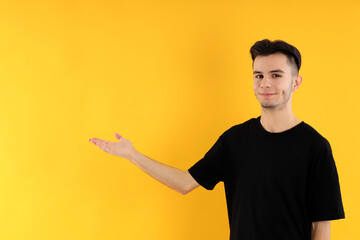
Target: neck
x,y
278,120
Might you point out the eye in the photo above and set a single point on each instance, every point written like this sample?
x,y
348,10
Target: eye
x,y
276,75
258,76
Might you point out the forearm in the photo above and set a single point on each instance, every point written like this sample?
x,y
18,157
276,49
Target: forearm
x,y
176,179
320,230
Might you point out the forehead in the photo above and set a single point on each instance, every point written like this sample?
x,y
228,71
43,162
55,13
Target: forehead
x,y
273,61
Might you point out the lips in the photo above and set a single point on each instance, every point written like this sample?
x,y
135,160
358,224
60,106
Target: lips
x,y
267,94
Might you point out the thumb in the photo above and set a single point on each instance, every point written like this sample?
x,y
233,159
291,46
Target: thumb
x,y
118,136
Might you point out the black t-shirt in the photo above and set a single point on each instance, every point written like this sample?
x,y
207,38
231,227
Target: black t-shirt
x,y
276,184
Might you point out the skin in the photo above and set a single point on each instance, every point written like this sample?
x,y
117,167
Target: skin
x,y
176,179
320,230
276,116
276,110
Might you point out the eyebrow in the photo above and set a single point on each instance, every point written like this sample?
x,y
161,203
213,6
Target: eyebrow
x,y
276,70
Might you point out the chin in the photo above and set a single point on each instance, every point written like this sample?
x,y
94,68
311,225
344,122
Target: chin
x,y
269,106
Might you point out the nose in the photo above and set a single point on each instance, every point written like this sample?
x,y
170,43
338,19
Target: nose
x,y
265,82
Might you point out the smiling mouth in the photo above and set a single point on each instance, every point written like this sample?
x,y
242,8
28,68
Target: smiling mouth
x,y
267,94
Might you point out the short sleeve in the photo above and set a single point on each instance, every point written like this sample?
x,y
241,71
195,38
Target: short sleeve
x,y
324,195
209,170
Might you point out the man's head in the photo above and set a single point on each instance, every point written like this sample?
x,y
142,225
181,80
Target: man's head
x,y
266,47
276,66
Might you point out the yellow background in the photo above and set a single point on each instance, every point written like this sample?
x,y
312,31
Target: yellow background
x,y
170,76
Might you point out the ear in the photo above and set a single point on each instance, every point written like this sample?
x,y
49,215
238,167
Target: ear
x,y
297,83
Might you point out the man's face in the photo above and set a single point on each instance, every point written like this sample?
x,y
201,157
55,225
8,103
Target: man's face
x,y
273,82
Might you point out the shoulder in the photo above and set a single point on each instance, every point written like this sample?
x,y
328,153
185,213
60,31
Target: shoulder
x,y
316,141
239,129
240,126
313,135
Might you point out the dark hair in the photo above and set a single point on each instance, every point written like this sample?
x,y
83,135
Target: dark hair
x,y
266,47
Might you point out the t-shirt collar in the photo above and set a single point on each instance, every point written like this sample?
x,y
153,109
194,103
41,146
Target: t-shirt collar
x,y
286,132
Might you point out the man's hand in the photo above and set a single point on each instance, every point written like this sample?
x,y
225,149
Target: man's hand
x,y
123,148
177,179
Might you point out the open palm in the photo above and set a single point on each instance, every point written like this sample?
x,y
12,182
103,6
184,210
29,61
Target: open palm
x,y
123,148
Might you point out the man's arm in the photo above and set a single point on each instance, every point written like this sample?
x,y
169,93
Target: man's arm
x,y
320,230
176,179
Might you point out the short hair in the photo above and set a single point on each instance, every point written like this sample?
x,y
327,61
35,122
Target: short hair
x,y
266,47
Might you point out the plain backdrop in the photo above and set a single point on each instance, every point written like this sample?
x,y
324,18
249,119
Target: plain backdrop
x,y
171,76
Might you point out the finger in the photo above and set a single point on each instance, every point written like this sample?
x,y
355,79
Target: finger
x,y
98,140
100,144
105,148
108,147
94,140
104,145
118,136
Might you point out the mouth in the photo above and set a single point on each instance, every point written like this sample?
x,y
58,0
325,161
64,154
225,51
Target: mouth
x,y
267,94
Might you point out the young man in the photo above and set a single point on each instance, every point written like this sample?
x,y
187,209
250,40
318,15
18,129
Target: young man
x,y
279,174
